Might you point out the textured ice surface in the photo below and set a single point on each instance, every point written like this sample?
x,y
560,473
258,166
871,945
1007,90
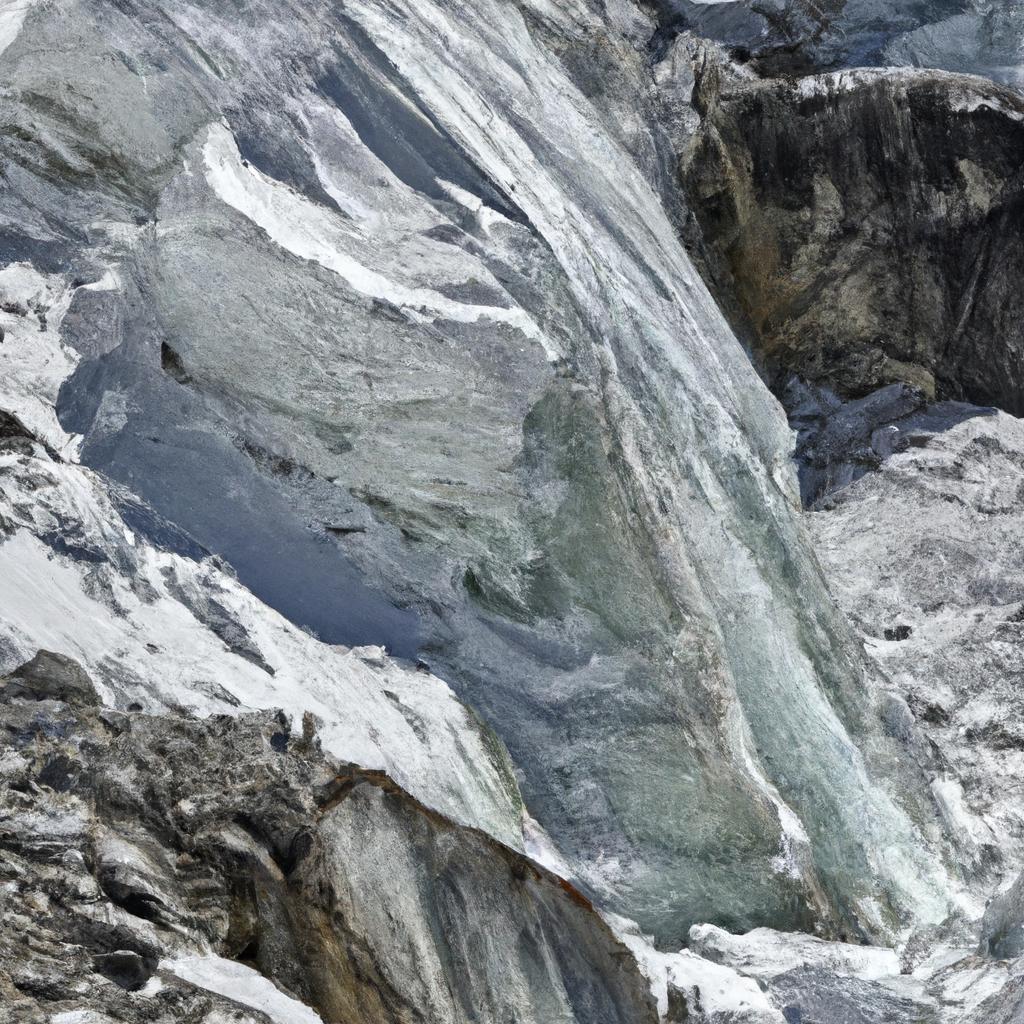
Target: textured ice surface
x,y
312,233
764,953
330,233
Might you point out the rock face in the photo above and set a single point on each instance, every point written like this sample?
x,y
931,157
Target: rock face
x,y
869,226
420,354
1002,929
134,845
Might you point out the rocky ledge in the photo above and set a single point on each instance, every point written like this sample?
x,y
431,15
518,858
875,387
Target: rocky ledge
x,y
169,868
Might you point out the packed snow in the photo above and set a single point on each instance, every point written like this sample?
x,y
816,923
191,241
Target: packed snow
x,y
12,17
33,360
243,985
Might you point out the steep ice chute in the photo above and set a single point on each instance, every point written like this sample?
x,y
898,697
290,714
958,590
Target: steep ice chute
x,y
728,538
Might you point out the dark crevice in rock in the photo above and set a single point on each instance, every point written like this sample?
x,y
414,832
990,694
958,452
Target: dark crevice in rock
x,y
898,633
171,364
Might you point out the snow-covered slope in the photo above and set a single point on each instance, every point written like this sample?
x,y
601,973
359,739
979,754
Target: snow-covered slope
x,y
925,557
162,626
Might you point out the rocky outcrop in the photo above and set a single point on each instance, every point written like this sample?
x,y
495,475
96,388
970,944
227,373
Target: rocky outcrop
x,y
1002,928
50,676
135,846
868,226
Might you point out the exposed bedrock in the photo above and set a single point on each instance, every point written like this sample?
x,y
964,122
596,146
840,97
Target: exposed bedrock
x,y
379,288
868,225
140,854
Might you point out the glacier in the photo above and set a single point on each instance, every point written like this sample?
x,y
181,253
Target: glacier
x,y
373,398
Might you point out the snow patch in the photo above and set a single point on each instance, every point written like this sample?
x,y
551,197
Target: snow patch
x,y
312,232
967,102
34,362
765,953
541,847
486,216
242,985
80,1017
794,857
720,991
12,17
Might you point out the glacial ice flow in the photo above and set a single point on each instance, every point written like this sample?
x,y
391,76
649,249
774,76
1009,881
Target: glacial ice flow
x,y
682,349
354,328
700,448
353,322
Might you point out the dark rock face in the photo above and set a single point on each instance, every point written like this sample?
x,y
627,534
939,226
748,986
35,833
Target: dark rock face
x,y
1002,930
869,226
838,442
50,676
808,997
161,837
